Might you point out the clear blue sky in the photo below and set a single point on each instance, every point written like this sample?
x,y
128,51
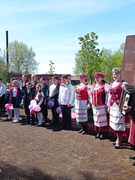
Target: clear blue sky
x,y
52,27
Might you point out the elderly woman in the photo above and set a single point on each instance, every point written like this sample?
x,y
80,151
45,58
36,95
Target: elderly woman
x,y
81,102
118,122
99,101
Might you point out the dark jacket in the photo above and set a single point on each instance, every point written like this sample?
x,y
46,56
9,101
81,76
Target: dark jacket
x,y
55,96
18,97
27,97
45,90
7,96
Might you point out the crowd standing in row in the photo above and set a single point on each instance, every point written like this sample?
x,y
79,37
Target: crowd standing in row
x,y
103,98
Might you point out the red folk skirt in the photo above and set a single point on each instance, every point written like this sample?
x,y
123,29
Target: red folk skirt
x,y
131,139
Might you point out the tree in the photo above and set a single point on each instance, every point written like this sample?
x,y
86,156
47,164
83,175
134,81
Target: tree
x,y
51,65
88,59
3,67
107,64
21,58
111,60
118,56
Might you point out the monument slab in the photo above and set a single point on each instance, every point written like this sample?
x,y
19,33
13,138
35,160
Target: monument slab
x,y
128,64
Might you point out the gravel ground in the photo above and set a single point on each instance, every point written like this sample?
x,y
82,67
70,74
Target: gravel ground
x,y
45,153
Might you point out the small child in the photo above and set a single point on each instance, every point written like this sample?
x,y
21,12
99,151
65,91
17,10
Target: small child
x,y
39,99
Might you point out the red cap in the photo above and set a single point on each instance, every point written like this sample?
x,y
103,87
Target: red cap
x,y
83,76
99,75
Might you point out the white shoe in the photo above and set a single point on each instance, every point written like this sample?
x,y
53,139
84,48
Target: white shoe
x,y
14,120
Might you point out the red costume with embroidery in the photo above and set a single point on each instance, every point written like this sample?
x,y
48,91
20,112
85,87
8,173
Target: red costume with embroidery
x,y
98,96
81,104
118,122
115,94
81,93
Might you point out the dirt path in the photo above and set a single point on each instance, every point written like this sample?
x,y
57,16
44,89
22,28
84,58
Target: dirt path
x,y
41,153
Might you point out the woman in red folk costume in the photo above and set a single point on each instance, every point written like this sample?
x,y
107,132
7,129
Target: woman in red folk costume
x,y
82,102
118,122
99,101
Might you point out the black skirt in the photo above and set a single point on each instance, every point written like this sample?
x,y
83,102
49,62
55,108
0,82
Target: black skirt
x,y
14,102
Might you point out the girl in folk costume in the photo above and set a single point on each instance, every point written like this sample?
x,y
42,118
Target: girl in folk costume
x,y
99,101
15,99
118,122
39,99
81,102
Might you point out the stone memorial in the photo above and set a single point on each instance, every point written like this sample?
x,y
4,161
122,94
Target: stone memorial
x,y
128,65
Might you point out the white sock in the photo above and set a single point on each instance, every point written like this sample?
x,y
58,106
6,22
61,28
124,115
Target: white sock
x,y
40,118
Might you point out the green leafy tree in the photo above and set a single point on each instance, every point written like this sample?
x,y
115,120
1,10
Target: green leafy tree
x,y
22,58
111,60
3,67
51,67
118,56
107,63
88,58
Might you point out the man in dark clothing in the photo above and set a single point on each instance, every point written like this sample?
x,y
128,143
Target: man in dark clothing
x,y
53,95
2,96
45,90
29,94
34,81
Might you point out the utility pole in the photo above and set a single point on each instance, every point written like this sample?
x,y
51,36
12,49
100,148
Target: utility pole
x,y
7,58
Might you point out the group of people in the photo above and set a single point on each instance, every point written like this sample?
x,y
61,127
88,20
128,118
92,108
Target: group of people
x,y
21,95
102,97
